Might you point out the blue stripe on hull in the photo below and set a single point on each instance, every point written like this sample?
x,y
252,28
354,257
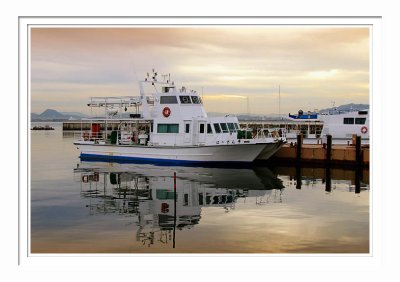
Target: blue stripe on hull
x,y
123,159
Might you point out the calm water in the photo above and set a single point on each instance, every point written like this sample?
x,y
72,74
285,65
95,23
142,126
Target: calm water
x,y
131,208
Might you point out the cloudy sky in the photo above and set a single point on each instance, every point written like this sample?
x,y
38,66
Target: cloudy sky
x,y
314,66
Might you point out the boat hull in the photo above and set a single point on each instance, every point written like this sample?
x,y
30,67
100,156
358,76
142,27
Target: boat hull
x,y
270,149
238,153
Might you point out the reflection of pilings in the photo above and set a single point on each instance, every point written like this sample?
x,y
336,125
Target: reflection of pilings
x,y
358,180
298,148
358,151
328,180
298,177
328,149
173,242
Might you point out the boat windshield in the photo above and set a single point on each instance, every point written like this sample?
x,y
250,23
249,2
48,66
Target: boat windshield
x,y
217,128
224,127
231,127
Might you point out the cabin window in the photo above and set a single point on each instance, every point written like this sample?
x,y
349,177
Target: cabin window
x,y
224,127
167,128
187,128
166,89
195,100
209,129
185,99
201,199
360,120
217,128
168,100
201,129
237,127
348,121
231,127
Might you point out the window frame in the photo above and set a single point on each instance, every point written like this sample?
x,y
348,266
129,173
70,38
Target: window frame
x,y
347,120
168,97
169,128
219,130
185,96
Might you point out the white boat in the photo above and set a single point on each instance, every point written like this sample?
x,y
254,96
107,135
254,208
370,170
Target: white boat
x,y
169,125
342,126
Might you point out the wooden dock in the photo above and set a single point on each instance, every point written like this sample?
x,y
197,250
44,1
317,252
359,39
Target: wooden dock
x,y
326,154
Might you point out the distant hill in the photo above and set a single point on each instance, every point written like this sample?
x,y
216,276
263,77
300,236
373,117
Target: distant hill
x,y
347,107
34,116
53,115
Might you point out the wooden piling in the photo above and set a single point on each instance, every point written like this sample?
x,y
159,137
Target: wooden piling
x,y
298,177
328,148
298,147
357,181
328,180
173,238
358,150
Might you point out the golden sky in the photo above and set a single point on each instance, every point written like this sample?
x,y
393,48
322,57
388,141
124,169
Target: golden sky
x,y
314,65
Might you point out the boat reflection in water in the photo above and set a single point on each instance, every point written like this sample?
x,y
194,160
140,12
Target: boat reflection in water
x,y
148,194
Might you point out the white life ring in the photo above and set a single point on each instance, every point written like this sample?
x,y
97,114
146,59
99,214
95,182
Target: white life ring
x,y
364,129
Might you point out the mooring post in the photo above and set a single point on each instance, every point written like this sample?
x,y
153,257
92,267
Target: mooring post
x,y
298,148
328,180
358,150
357,180
298,176
173,238
328,148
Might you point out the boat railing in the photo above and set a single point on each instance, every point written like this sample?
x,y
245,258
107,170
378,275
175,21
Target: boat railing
x,y
115,136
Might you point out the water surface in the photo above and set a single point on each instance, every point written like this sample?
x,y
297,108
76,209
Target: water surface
x,y
87,207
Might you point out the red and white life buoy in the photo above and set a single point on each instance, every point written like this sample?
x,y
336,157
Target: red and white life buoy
x,y
86,136
166,112
85,178
364,129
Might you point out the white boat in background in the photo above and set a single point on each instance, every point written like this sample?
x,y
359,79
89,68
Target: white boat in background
x,y
169,125
341,125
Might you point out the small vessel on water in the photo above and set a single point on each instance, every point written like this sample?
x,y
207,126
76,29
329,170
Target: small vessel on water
x,y
39,127
169,125
341,125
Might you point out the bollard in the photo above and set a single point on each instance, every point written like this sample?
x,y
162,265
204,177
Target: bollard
x,y
328,148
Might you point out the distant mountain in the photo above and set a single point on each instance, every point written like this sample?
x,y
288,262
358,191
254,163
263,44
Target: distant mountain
x,y
51,114
34,116
347,107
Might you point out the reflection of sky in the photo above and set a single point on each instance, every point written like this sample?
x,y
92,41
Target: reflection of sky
x,y
314,66
306,220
